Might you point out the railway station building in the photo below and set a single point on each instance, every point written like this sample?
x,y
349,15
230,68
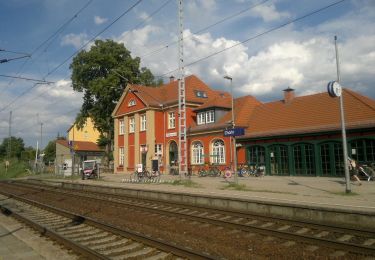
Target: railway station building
x,y
290,136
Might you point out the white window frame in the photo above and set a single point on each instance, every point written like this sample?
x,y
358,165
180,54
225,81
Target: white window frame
x,y
218,152
158,150
197,151
131,103
201,118
121,127
143,122
171,120
121,156
131,124
210,116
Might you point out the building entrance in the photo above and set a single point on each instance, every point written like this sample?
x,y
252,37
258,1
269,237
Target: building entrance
x,y
173,153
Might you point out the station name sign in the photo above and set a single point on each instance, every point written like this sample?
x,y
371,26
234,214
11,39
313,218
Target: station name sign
x,y
234,132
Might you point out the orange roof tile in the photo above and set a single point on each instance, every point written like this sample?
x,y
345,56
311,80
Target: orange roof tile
x,y
167,94
312,113
243,108
81,145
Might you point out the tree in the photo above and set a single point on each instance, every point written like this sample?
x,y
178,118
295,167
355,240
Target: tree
x,y
17,146
50,151
28,154
101,74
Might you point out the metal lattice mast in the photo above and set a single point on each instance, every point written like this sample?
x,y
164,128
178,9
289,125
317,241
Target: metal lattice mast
x,y
182,142
10,136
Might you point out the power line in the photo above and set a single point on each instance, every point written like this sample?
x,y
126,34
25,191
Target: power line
x,y
139,24
58,31
16,58
15,52
83,46
166,46
258,35
93,38
28,79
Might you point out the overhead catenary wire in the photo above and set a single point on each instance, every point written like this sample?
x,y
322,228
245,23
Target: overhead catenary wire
x,y
51,37
257,36
15,52
166,46
136,26
83,46
27,79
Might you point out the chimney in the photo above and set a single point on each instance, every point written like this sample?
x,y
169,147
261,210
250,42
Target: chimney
x,y
288,95
171,79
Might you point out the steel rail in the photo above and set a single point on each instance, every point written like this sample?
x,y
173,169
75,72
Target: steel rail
x,y
235,213
152,242
362,249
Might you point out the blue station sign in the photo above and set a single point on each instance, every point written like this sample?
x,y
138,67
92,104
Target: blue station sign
x,y
234,132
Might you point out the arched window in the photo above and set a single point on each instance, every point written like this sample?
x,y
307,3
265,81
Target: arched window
x,y
304,159
218,152
279,159
331,157
363,150
256,155
197,153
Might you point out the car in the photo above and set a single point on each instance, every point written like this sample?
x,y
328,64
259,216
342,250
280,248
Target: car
x,y
90,170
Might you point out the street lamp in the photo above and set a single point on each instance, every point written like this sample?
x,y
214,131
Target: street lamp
x,y
234,162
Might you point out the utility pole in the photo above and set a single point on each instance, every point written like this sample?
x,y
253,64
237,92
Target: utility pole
x,y
41,148
10,136
182,140
342,115
233,138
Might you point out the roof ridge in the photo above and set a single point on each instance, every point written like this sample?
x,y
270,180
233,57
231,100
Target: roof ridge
x,y
363,99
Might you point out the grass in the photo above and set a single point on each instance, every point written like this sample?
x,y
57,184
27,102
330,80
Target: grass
x,y
185,183
16,169
243,187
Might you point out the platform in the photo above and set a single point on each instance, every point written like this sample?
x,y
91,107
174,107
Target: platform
x,y
319,191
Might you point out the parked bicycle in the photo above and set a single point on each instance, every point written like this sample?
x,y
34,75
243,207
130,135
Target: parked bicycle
x,y
243,170
257,170
214,171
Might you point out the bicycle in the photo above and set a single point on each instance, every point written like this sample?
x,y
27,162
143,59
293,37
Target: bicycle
x,y
243,170
214,171
139,176
153,176
202,172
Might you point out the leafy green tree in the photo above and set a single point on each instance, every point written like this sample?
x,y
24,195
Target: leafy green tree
x,y
17,146
28,154
50,151
102,74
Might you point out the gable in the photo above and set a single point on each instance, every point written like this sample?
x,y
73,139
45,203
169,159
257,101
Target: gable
x,y
130,103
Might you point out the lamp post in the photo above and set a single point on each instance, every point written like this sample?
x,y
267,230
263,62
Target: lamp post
x,y
234,162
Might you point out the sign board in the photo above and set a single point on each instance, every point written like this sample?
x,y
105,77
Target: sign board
x,y
234,132
171,134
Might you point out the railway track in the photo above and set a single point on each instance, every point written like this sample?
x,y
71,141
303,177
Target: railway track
x,y
90,238
343,239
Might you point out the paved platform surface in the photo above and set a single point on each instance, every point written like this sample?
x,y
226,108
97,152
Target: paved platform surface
x,y
318,191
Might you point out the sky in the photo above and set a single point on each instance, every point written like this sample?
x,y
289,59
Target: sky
x,y
264,45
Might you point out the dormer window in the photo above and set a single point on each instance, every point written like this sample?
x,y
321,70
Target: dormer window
x,y
206,117
201,94
131,103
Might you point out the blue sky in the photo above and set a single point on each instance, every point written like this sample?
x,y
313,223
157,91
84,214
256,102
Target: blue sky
x,y
300,55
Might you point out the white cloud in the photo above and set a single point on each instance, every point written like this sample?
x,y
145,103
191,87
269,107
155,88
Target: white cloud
x,y
144,16
76,40
268,13
99,20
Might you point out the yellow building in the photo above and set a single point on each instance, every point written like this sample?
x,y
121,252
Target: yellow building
x,y
80,146
88,133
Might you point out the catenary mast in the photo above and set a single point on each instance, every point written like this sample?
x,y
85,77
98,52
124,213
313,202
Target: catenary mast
x,y
182,142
